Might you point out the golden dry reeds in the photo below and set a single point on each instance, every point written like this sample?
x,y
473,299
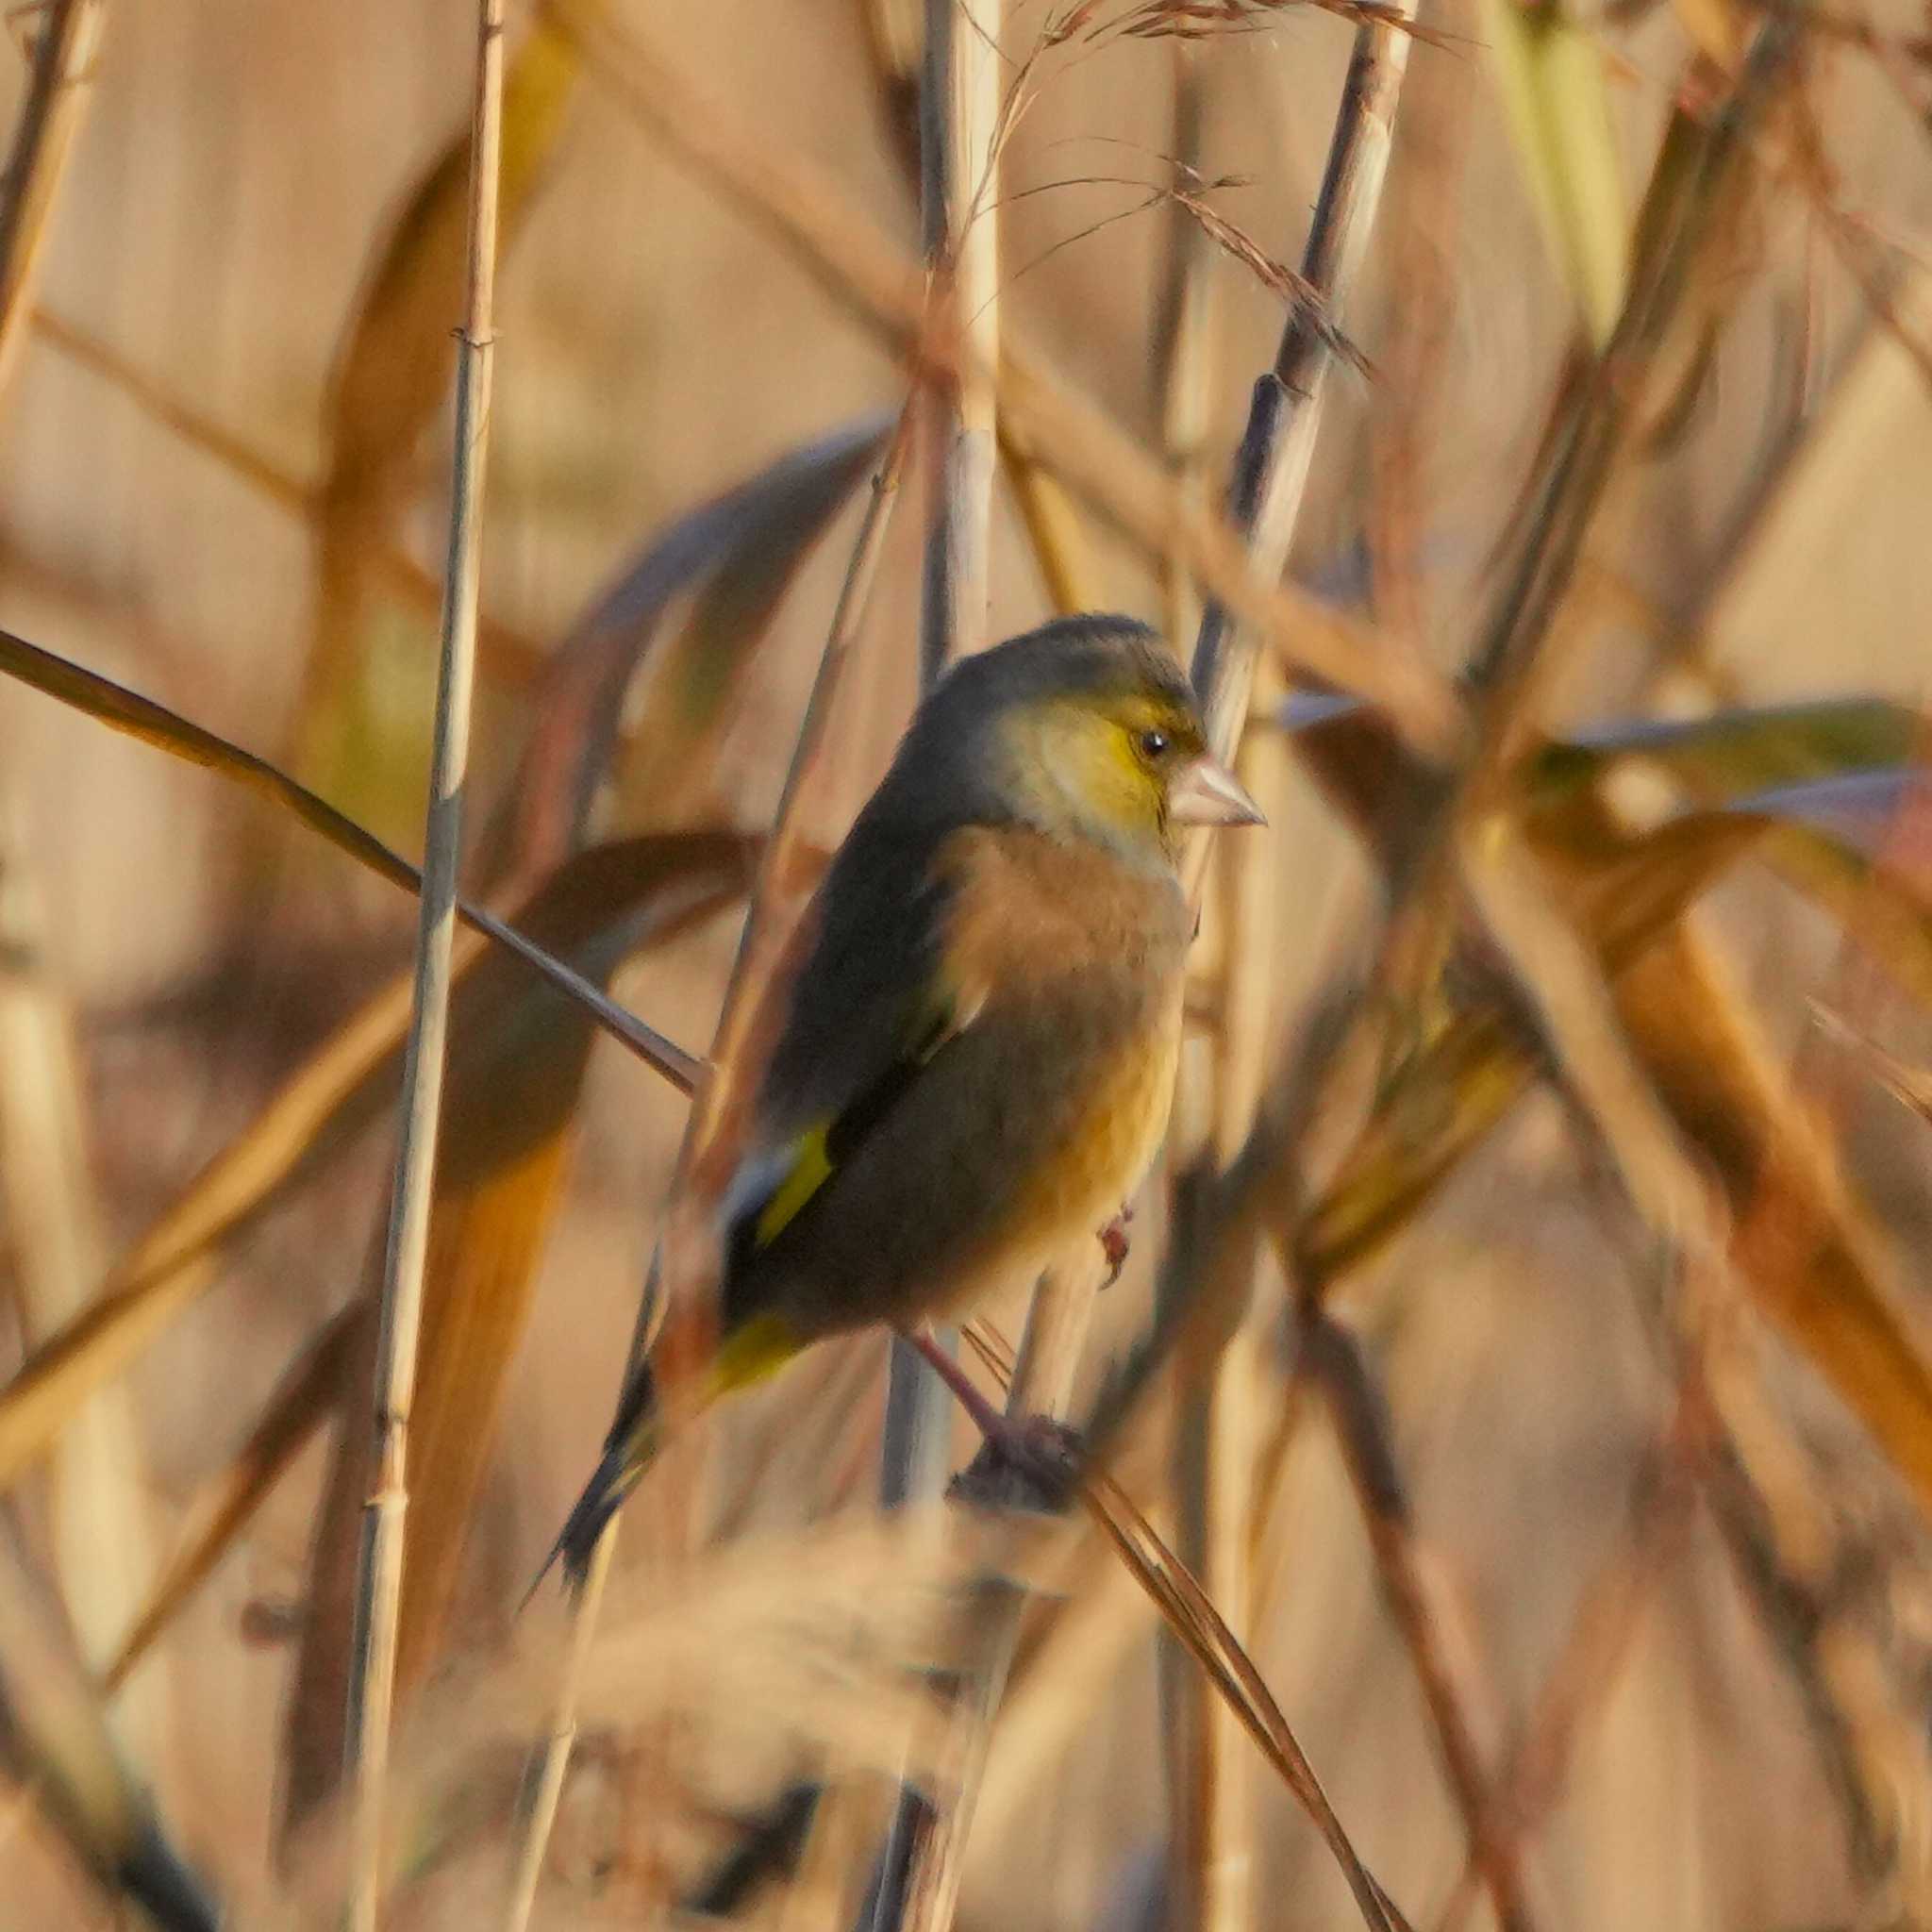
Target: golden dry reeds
x,y
1507,1450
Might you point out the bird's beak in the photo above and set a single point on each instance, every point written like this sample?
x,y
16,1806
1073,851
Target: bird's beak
x,y
1205,793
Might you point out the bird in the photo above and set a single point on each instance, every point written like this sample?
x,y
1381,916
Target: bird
x,y
976,1054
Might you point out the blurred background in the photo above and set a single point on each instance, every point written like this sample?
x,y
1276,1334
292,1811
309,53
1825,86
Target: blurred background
x,y
1679,1613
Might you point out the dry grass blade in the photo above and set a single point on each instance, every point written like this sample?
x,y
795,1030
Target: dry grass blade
x,y
1699,178
122,709
1195,20
1741,749
1558,971
70,32
740,551
379,1588
1176,1593
597,910
1199,1625
54,1737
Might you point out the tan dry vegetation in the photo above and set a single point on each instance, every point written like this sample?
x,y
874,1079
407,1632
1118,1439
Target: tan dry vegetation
x,y
1563,1491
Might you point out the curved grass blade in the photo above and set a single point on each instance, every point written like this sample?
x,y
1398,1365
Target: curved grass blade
x,y
1365,771
739,552
1556,97
1744,749
597,910
122,709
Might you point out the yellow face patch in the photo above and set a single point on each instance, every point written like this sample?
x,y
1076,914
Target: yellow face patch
x,y
1113,760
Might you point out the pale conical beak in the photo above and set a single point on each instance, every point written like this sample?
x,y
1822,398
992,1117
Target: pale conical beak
x,y
1205,793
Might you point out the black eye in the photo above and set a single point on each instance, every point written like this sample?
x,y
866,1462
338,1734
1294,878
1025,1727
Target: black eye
x,y
1154,744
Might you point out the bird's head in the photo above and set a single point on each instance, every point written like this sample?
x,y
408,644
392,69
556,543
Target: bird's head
x,y
1085,728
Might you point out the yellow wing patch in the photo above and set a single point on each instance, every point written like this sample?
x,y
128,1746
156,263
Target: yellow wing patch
x,y
811,1169
760,1348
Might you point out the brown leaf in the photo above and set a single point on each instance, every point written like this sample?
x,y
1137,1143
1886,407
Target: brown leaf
x,y
393,368
525,1033
739,552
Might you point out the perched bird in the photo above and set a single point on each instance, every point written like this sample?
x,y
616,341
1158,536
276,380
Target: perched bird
x,y
978,1053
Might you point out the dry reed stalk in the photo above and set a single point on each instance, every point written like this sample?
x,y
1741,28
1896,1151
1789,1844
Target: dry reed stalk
x,y
1219,1431
1185,330
43,138
1279,442
852,261
961,109
712,1106
101,1536
100,1528
380,1584
960,115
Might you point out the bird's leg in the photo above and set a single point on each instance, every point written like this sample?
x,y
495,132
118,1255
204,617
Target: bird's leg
x,y
985,1418
1028,1462
1114,1244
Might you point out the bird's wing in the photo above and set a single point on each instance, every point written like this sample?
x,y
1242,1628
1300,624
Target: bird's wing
x,y
873,1003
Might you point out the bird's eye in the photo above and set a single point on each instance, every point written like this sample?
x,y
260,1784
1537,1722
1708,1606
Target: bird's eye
x,y
1154,744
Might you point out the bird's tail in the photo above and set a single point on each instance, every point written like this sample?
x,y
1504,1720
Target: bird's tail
x,y
752,1352
173,1896
630,1449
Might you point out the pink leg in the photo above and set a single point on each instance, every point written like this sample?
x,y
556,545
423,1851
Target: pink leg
x,y
989,1420
1027,1461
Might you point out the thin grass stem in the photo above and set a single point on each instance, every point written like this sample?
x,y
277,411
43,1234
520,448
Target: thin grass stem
x,y
43,138
379,1581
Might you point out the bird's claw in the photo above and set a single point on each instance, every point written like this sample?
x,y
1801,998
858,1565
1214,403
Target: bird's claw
x,y
1030,1462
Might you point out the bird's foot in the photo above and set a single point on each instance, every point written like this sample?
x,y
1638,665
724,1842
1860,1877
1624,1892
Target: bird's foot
x,y
1115,1244
1025,1462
